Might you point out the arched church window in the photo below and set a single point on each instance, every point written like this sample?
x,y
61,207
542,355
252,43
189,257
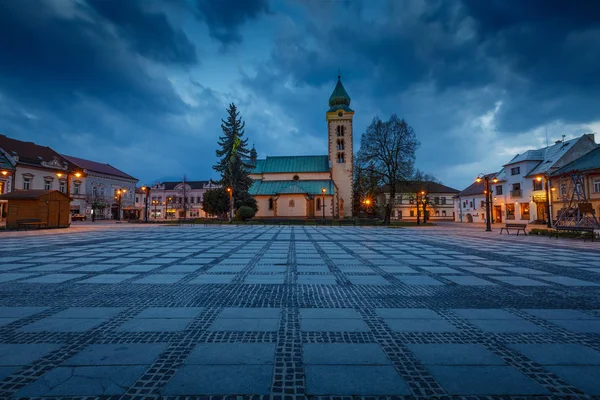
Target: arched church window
x,y
340,130
270,203
340,158
318,204
292,203
340,144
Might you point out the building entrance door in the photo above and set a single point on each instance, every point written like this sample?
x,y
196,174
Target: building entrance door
x,y
541,211
498,213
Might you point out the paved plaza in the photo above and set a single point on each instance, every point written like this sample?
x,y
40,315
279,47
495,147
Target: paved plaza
x,y
294,312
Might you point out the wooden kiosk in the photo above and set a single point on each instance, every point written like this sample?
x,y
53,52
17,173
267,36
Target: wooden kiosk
x,y
37,209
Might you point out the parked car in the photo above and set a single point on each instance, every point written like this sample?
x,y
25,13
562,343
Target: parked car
x,y
79,217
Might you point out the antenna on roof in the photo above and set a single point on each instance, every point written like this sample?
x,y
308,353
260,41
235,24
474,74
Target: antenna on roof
x,y
546,129
563,138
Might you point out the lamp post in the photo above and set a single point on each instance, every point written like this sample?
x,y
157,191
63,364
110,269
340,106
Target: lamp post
x,y
424,202
486,179
547,202
146,189
323,190
230,191
167,201
119,197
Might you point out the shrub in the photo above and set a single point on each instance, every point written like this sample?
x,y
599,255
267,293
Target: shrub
x,y
244,213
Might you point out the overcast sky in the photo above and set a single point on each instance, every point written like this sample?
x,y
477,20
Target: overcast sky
x,y
143,84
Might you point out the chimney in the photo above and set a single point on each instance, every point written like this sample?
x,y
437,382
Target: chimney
x,y
558,142
591,136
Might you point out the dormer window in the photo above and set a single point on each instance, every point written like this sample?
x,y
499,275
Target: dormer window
x,y
515,170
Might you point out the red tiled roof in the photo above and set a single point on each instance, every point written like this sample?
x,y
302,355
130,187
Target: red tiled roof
x,y
97,167
29,152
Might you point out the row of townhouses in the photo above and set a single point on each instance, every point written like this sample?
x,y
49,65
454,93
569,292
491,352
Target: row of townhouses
x,y
554,177
97,190
92,186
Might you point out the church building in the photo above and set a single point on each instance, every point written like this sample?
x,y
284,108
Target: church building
x,y
310,186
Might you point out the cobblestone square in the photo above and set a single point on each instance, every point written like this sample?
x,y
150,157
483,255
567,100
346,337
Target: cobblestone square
x,y
291,313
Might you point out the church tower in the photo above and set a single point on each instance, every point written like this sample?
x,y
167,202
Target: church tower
x,y
341,153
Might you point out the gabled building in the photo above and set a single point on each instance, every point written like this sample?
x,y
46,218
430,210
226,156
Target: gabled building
x,y
311,186
520,192
101,188
588,187
439,200
469,204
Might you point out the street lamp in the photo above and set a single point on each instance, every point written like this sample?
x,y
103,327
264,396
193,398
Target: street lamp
x,y
167,201
367,203
230,191
155,203
146,190
323,190
548,215
487,191
119,197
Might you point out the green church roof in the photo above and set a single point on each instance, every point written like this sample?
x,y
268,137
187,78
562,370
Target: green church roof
x,y
339,99
273,188
283,164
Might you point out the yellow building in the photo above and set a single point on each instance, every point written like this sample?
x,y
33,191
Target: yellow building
x,y
311,186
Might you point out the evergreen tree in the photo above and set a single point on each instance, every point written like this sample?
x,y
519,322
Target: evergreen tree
x,y
234,163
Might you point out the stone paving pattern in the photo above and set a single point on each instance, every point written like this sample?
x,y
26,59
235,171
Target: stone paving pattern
x,y
298,312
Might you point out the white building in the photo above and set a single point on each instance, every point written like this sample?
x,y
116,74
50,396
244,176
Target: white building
x,y
170,200
519,193
102,188
439,200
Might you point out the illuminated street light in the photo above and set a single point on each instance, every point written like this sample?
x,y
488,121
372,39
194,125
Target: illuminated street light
x,y
486,179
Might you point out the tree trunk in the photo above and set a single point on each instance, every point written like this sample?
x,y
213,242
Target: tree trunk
x,y
390,205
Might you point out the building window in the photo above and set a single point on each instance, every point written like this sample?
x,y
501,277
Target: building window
x,y
525,211
137,199
443,200
270,203
578,189
443,213
411,201
340,130
47,184
499,189
412,213
399,214
482,203
470,204
515,170
95,191
62,186
340,144
510,211
26,183
436,200
318,204
191,199
76,187
563,189
1,187
597,186
340,158
292,203
437,213
537,185
198,199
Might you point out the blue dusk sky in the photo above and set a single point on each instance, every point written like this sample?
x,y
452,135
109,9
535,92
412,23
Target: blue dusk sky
x,y
143,84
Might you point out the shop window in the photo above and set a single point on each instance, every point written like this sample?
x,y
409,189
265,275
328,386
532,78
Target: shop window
x,y
510,211
443,213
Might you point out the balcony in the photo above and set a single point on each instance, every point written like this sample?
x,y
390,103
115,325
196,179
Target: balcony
x,y
516,193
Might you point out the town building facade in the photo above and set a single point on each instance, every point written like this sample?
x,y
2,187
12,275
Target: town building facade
x,y
173,200
310,186
438,200
101,189
577,183
518,190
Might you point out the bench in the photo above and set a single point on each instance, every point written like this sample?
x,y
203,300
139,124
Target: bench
x,y
586,231
518,227
30,222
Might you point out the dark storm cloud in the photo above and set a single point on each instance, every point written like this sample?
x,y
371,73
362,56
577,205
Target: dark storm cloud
x,y
150,33
225,17
50,60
